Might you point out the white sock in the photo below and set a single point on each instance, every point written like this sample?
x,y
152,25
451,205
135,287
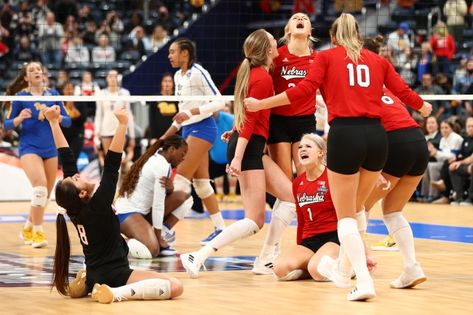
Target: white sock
x,y
217,219
344,264
352,244
401,231
233,232
28,225
37,228
282,215
205,252
149,289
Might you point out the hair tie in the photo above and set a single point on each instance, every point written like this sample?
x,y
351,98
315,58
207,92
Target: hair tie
x,y
61,210
248,58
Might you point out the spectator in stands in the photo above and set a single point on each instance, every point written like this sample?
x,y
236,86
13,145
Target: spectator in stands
x,y
77,52
461,87
88,87
425,60
8,18
113,27
88,35
407,65
62,78
455,12
50,35
70,25
428,88
64,8
84,17
25,52
458,168
25,25
39,12
460,71
137,43
135,20
399,40
159,39
103,53
443,46
431,131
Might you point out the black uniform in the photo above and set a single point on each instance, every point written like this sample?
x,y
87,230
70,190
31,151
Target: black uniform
x,y
98,228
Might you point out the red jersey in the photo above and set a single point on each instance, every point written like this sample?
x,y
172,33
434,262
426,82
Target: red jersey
x,y
260,86
394,115
352,90
289,70
315,210
443,46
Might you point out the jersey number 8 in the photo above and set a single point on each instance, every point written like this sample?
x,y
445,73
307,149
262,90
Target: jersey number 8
x,y
83,237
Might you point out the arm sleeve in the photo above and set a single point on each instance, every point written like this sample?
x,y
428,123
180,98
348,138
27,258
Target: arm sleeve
x,y
104,195
300,218
396,84
68,161
307,87
15,109
157,210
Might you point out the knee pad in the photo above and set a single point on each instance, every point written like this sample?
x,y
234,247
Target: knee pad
x,y
182,184
181,211
284,210
138,249
40,196
202,187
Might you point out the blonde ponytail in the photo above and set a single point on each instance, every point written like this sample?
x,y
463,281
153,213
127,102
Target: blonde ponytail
x,y
241,90
346,32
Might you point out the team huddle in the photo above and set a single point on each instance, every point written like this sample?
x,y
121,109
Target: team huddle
x,y
374,150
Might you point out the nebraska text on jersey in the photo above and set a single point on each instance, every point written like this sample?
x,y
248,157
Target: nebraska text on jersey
x,y
306,199
292,73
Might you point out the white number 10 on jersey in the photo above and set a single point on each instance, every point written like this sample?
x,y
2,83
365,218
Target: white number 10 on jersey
x,y
362,75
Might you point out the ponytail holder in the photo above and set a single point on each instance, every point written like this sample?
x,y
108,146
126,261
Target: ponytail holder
x,y
61,210
248,58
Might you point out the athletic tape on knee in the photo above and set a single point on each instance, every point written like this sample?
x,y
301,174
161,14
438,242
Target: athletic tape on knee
x,y
202,187
285,211
182,184
40,196
181,211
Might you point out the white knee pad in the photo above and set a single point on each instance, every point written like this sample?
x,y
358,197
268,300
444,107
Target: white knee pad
x,y
40,196
182,184
181,211
203,188
138,249
284,210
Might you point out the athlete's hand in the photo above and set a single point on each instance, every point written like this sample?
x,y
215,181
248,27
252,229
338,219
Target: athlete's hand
x,y
454,166
122,115
52,113
234,169
226,136
371,263
166,182
25,114
426,109
252,104
182,116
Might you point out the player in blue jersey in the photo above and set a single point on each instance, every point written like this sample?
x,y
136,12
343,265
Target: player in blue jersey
x,y
38,153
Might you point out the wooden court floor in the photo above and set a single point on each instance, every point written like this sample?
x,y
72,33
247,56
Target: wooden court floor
x,y
448,266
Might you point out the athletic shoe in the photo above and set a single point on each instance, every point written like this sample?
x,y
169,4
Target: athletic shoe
x,y
210,237
362,292
168,235
27,235
78,287
328,267
388,244
167,251
409,278
102,294
262,266
39,240
291,276
191,262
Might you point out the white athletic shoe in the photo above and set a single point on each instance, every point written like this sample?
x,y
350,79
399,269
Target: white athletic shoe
x,y
328,267
262,266
168,235
291,276
362,292
191,262
409,278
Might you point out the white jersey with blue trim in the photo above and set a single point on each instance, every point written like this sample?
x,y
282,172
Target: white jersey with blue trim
x,y
196,81
148,193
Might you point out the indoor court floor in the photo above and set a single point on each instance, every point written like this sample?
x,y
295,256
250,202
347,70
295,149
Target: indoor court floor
x,y
444,243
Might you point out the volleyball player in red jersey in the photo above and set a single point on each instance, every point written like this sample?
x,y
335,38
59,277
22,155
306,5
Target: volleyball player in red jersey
x,y
316,216
351,81
407,160
287,124
256,173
